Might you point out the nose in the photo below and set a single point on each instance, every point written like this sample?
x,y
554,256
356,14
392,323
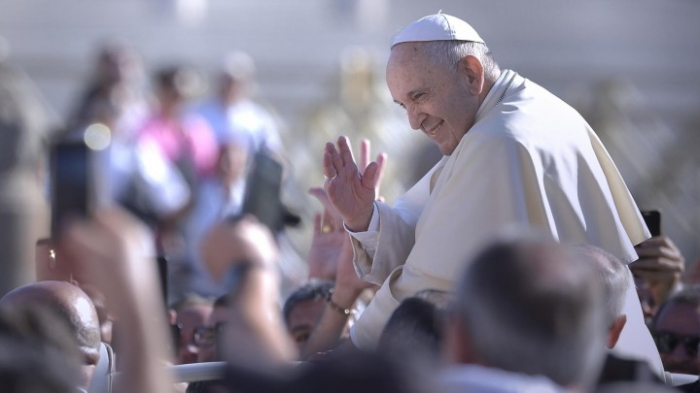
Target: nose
x,y
415,116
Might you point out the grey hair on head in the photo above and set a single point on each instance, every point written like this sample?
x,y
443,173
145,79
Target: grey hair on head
x,y
532,306
613,274
447,54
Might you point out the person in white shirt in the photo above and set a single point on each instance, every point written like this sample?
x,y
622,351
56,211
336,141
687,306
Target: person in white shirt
x,y
232,114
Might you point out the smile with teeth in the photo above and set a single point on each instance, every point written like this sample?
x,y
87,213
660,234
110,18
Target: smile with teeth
x,y
435,129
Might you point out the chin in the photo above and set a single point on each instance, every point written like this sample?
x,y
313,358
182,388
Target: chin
x,y
447,148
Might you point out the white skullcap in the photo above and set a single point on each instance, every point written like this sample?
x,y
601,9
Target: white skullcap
x,y
437,27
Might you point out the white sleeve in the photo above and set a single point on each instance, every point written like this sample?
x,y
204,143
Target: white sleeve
x,y
368,239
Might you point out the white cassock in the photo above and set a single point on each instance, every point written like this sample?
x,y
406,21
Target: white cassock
x,y
530,159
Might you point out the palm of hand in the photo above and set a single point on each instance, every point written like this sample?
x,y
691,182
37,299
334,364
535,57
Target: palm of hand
x,y
352,190
324,253
348,194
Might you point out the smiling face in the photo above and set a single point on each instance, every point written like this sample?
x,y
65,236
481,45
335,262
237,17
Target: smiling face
x,y
440,102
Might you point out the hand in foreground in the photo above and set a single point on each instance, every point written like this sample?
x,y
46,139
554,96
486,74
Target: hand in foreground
x,y
229,243
114,251
255,334
351,189
660,264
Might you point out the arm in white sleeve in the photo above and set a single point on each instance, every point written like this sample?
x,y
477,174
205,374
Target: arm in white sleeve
x,y
391,234
368,239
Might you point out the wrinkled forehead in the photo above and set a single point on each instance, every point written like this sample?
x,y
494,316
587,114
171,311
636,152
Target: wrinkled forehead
x,y
405,54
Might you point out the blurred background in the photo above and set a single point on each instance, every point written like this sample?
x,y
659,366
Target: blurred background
x,y
629,66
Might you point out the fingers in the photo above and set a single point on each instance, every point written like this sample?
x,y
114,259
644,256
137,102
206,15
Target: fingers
x,y
329,170
658,264
657,241
657,275
345,151
369,178
382,158
672,256
659,252
365,148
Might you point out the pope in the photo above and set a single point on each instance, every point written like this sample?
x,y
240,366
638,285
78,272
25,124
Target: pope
x,y
514,155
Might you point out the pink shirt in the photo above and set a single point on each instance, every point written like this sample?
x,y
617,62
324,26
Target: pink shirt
x,y
191,138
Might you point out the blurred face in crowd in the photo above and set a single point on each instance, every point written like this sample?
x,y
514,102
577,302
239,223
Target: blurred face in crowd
x,y
232,162
170,100
677,335
208,334
302,321
232,89
189,319
438,101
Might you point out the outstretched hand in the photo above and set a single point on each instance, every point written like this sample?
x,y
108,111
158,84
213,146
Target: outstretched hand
x,y
352,190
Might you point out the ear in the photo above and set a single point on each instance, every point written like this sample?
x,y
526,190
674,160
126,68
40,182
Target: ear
x,y
616,330
472,69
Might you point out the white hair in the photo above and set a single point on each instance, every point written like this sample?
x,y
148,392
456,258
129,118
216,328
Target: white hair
x,y
614,276
447,54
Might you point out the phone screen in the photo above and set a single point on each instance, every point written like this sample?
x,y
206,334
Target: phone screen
x,y
163,277
262,198
653,220
70,193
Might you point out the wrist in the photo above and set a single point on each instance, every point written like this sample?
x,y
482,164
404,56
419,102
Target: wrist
x,y
344,298
340,308
361,223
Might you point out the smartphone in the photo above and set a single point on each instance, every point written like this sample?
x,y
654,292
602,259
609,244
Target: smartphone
x,y
653,220
175,332
163,278
262,196
71,193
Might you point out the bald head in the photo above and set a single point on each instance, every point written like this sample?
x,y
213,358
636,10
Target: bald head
x,y
72,305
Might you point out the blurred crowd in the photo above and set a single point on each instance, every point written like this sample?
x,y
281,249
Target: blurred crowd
x,y
100,316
